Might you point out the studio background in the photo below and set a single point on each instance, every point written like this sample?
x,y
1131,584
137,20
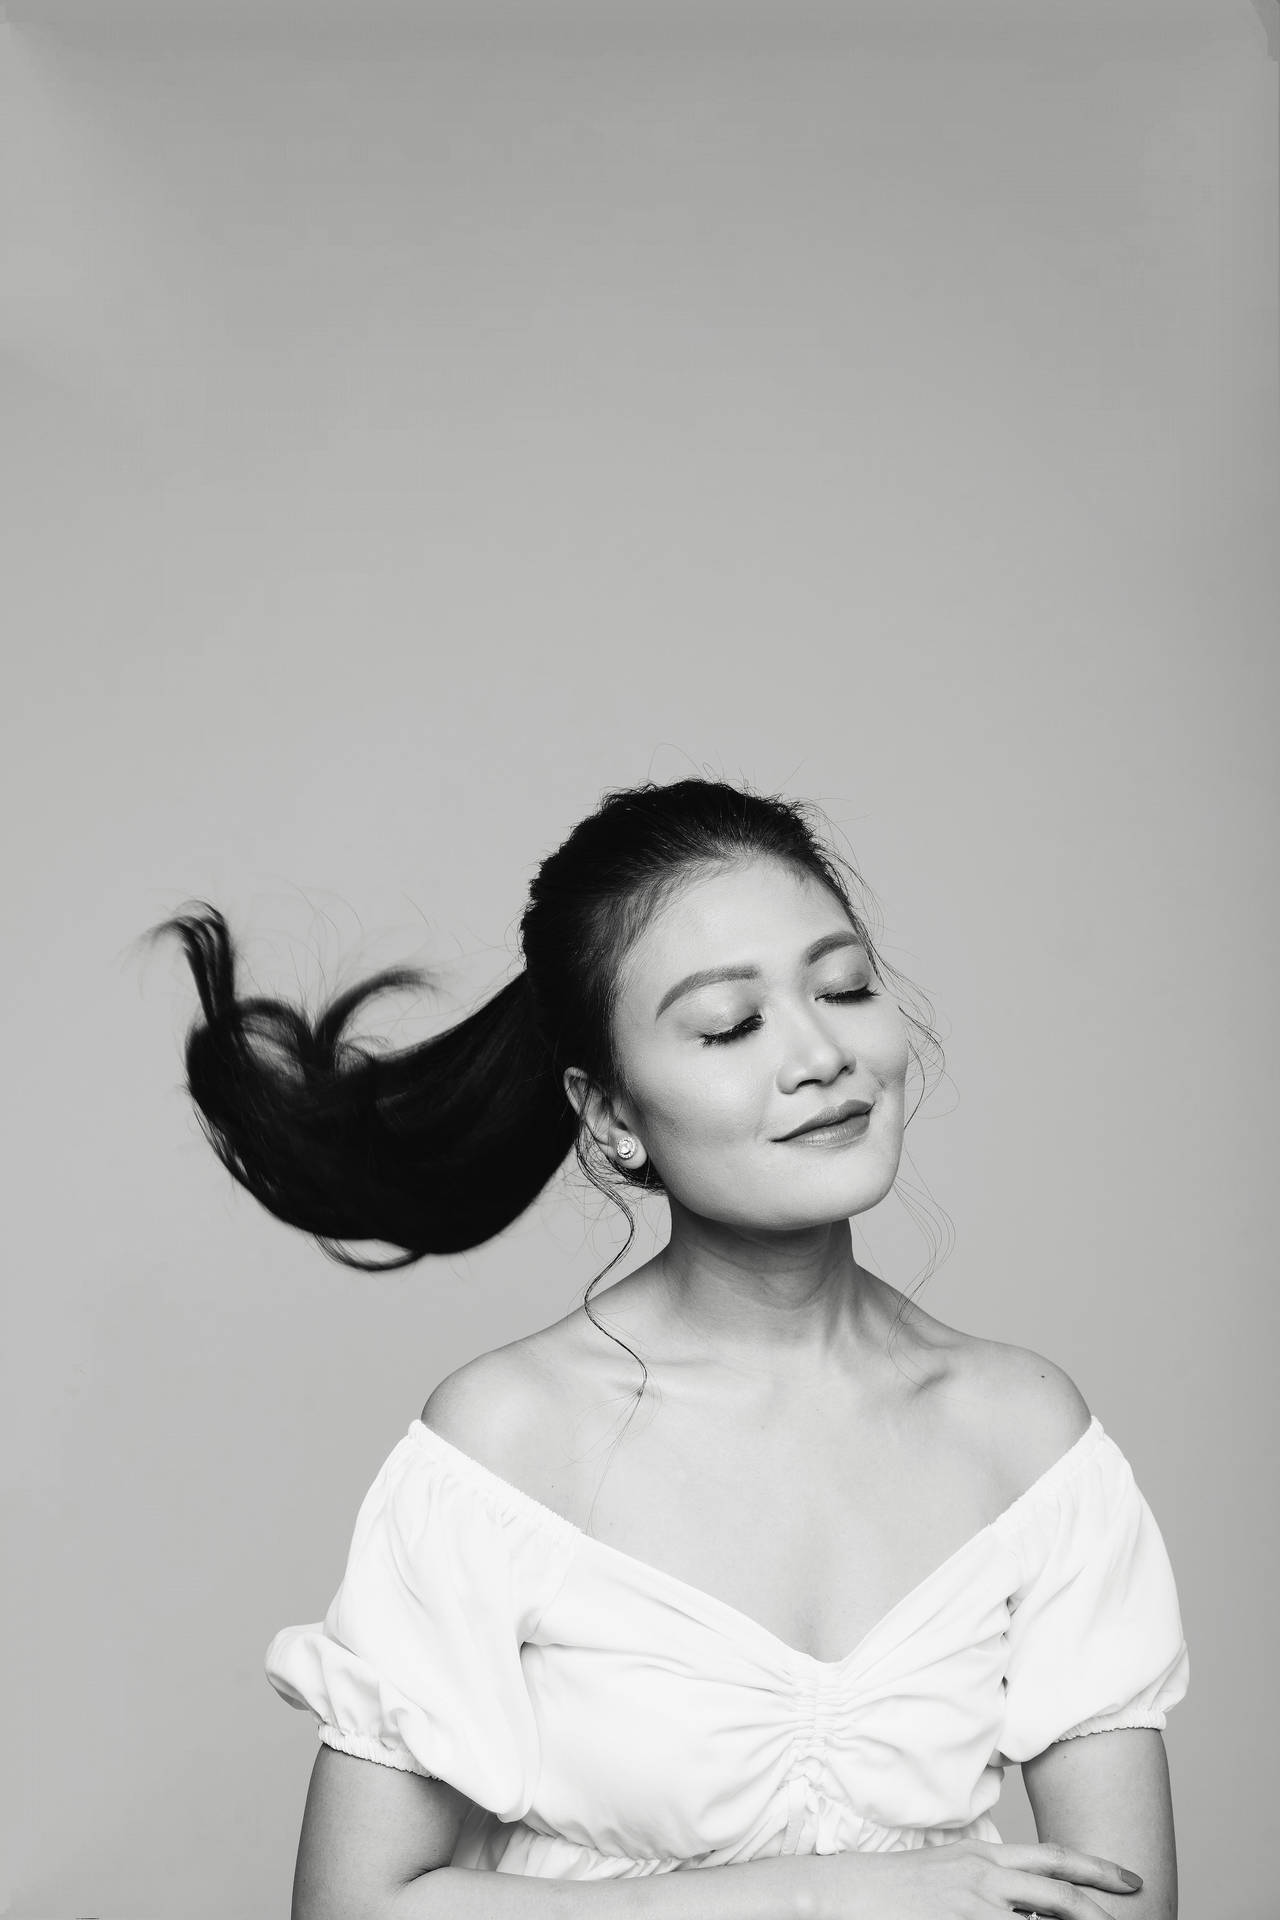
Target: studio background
x,y
416,423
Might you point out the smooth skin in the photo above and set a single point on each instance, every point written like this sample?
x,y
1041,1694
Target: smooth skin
x,y
774,1357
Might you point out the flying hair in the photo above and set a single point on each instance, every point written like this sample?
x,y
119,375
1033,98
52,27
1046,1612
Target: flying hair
x,y
439,1146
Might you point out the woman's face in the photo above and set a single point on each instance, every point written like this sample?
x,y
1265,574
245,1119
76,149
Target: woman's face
x,y
747,1011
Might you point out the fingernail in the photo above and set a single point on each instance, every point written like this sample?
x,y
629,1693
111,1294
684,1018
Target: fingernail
x,y
1133,1880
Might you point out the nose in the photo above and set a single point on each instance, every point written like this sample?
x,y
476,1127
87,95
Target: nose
x,y
812,1052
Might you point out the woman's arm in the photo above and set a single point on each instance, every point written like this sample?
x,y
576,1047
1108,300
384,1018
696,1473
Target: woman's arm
x,y
751,1890
1109,1794
376,1842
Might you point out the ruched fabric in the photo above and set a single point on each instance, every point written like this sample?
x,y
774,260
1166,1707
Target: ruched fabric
x,y
609,1719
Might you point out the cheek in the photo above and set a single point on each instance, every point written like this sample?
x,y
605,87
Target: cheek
x,y
697,1107
704,1139
888,1051
709,1113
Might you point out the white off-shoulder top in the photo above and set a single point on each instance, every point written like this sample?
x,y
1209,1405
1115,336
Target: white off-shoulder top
x,y
608,1718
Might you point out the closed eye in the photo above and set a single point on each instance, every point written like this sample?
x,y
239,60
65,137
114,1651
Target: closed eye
x,y
739,1032
753,1021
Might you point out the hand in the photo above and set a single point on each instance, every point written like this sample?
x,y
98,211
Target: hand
x,y
965,1880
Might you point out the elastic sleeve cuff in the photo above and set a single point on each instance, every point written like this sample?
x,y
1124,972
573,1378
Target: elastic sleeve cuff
x,y
1102,1723
366,1746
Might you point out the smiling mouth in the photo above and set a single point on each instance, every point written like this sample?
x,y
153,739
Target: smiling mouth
x,y
830,1117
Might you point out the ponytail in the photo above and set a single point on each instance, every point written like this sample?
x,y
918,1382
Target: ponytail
x,y
431,1149
438,1147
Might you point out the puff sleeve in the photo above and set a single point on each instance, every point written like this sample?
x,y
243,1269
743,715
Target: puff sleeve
x,y
1095,1638
417,1662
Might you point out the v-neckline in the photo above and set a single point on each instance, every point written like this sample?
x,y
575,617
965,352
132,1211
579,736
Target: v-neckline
x,y
647,1570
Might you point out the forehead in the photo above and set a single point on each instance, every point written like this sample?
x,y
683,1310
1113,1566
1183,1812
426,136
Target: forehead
x,y
761,914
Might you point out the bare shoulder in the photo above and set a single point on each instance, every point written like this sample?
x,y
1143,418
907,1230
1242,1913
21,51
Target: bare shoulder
x,y
495,1406
483,1407
1018,1410
1032,1410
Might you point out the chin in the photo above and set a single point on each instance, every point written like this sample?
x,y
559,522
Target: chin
x,y
801,1213
840,1200
806,1198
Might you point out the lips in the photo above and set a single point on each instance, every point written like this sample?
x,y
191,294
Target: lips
x,y
829,1117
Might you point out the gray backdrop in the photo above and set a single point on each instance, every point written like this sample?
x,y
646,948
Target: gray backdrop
x,y
415,424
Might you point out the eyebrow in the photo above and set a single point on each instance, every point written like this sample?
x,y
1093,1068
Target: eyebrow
x,y
711,976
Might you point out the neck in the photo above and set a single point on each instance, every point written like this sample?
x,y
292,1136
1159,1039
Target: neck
x,y
786,1297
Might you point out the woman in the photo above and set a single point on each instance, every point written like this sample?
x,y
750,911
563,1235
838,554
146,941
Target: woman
x,y
783,1609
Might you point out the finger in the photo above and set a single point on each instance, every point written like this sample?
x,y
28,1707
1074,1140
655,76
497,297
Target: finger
x,y
1050,1899
1069,1863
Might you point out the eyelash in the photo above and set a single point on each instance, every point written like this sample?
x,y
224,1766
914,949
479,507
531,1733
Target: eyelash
x,y
750,1025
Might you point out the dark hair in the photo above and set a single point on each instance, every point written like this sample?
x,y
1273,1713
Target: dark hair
x,y
439,1146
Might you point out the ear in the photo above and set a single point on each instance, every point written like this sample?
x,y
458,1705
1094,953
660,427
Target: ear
x,y
608,1121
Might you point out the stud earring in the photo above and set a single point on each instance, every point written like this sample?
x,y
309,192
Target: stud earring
x,y
624,1146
